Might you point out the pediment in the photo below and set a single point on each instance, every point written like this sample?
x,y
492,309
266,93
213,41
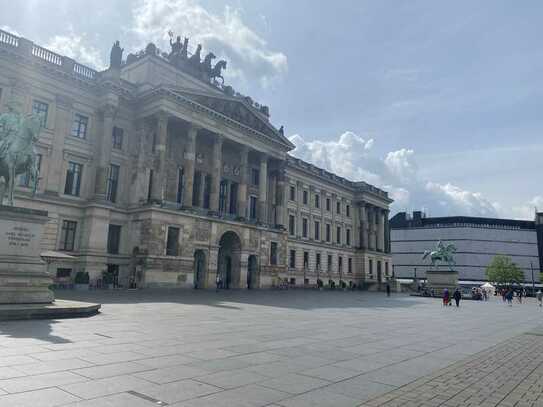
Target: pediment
x,y
236,109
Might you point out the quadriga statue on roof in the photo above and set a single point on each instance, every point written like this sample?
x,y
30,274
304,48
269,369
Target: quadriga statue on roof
x,y
18,136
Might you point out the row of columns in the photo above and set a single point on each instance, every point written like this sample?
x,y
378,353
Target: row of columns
x,y
189,164
373,227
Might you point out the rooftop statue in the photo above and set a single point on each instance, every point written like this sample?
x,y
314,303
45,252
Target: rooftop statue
x,y
216,71
116,56
441,254
18,136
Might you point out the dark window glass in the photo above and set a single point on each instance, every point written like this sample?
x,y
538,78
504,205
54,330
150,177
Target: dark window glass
x,y
338,235
255,176
292,259
207,191
291,225
329,263
328,233
306,260
350,265
252,207
25,179
63,273
348,237
317,230
348,210
338,208
112,183
172,242
304,227
67,236
73,179
233,207
305,197
180,185
370,266
40,109
340,264
318,261
113,239
317,201
273,253
292,193
328,204
196,188
79,127
223,191
150,190
117,138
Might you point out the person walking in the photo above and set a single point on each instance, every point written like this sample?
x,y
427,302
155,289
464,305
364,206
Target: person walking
x,y
457,297
519,296
539,297
446,297
509,297
388,289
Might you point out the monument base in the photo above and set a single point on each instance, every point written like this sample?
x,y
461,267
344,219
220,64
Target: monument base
x,y
439,280
23,275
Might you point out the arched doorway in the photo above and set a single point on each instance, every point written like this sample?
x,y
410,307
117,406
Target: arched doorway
x,y
199,269
252,272
229,260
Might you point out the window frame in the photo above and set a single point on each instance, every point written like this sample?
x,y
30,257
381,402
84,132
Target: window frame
x,y
273,253
70,191
68,233
117,134
80,125
168,248
114,246
112,183
43,114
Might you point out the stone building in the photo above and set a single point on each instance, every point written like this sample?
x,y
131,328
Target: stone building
x,y
156,172
477,241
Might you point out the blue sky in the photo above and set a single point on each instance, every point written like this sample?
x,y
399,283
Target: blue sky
x,y
438,102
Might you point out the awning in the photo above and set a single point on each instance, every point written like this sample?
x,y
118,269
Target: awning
x,y
51,255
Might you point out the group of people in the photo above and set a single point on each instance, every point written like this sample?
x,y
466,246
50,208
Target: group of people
x,y
479,294
447,298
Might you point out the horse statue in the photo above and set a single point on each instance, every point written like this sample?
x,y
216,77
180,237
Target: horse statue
x,y
18,135
216,71
443,254
206,64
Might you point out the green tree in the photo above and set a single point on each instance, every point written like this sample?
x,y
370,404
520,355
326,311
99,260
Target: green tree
x,y
503,271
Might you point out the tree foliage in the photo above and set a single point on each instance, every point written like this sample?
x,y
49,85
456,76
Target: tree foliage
x,y
503,271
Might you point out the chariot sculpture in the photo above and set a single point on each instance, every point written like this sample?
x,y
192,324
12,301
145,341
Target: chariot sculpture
x,y
442,254
18,136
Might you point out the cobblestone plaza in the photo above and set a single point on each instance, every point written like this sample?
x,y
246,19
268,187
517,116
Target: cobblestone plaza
x,y
274,348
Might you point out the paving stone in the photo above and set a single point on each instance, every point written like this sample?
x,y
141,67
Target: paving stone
x,y
38,398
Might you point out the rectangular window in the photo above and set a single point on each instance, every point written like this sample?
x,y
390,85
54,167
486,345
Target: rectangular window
x,y
40,109
291,225
223,191
273,253
79,126
64,273
328,233
24,179
252,207
318,261
67,236
172,242
305,197
340,264
317,230
329,263
255,177
292,259
233,207
117,138
150,189
338,234
112,183
292,193
306,260
370,266
180,185
317,201
196,188
328,204
348,211
386,268
348,237
350,265
207,191
73,179
304,227
113,239
338,208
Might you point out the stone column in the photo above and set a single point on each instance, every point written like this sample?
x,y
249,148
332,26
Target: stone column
x,y
243,177
243,270
370,228
281,196
189,163
159,180
381,230
216,173
104,151
263,190
387,232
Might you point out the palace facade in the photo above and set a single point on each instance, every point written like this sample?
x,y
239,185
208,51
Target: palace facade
x,y
155,172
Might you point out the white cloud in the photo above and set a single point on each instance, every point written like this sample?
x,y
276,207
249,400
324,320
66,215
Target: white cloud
x,y
351,156
527,210
247,53
10,30
76,47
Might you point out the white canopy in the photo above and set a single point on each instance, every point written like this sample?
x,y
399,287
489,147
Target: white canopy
x,y
51,255
487,286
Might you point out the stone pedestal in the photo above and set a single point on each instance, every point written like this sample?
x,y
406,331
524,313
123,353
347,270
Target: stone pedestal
x,y
23,275
438,280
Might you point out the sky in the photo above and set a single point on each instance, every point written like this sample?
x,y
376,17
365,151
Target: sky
x,y
439,103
